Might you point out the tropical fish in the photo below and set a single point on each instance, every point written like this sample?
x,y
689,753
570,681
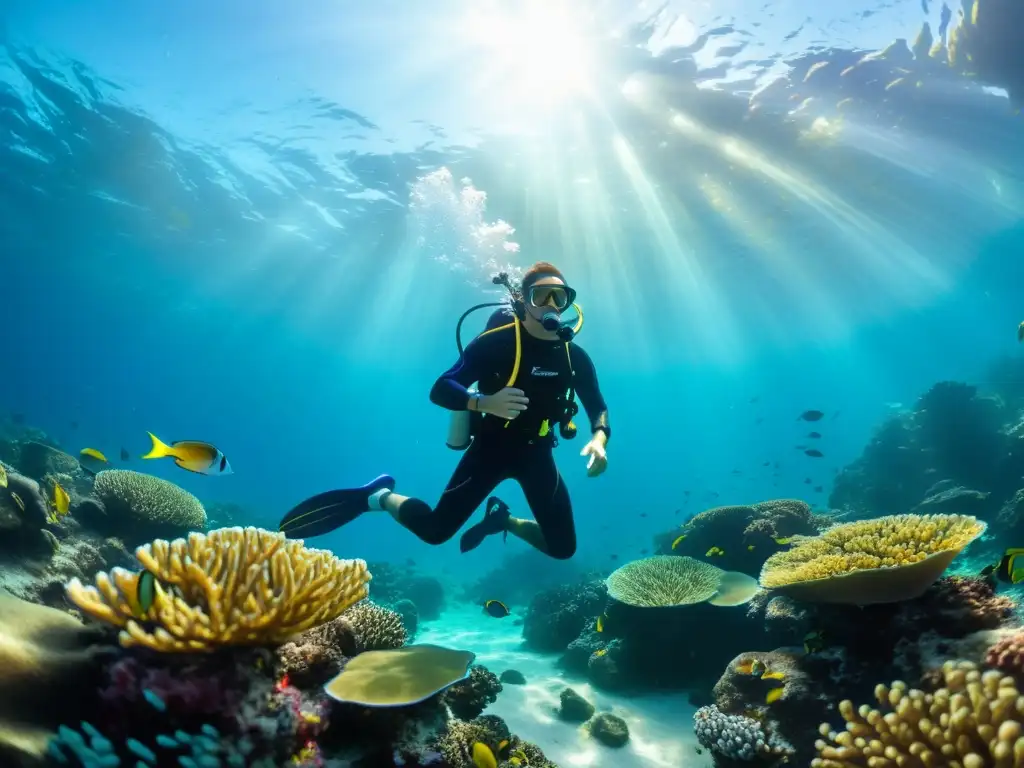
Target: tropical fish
x,y
17,501
503,748
814,435
814,642
814,453
3,476
482,756
193,455
774,695
714,551
757,667
1010,568
599,624
750,548
678,541
600,651
61,500
145,593
125,455
496,609
783,540
773,676
811,415
92,453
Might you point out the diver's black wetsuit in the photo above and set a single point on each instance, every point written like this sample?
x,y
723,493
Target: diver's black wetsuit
x,y
512,450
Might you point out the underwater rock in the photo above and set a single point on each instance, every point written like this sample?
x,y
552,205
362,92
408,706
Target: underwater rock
x,y
470,698
513,677
609,729
574,708
577,655
409,614
604,669
556,616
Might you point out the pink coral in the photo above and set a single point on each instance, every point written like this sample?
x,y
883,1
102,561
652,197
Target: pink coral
x,y
1007,655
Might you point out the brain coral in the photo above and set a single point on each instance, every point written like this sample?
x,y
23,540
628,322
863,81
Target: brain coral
x,y
970,722
885,560
665,580
148,500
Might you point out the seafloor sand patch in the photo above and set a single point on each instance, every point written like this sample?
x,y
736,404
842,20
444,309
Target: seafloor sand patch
x,y
660,726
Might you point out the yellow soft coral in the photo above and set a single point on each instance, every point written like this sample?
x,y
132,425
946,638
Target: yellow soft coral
x,y
232,586
884,560
971,722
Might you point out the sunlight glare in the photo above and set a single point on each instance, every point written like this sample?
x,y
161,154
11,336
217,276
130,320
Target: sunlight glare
x,y
536,51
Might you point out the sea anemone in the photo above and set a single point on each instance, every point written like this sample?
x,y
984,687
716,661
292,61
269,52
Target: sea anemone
x,y
885,560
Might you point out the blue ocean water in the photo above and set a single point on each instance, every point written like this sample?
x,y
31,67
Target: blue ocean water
x,y
257,223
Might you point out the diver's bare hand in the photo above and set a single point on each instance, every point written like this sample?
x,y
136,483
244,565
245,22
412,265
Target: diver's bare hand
x,y
506,403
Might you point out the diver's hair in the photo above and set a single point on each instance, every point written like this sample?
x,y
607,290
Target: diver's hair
x,y
539,270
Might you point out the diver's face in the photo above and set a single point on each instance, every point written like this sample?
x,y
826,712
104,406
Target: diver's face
x,y
545,295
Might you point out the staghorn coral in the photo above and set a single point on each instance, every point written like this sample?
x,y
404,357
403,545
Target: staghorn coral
x,y
887,559
373,627
232,586
665,580
142,507
469,698
736,737
969,722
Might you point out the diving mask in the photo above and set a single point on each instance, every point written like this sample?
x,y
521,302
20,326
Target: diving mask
x,y
560,297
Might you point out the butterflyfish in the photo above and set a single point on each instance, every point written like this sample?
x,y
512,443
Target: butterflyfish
x,y
193,455
61,500
483,757
1011,566
496,609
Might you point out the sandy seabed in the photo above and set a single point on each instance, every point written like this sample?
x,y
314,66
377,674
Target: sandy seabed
x,y
660,725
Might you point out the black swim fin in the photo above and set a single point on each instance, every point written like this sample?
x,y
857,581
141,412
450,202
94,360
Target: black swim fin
x,y
327,511
495,521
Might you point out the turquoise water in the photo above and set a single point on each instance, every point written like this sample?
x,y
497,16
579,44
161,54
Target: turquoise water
x,y
234,224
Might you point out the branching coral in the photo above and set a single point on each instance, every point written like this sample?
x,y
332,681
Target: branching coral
x,y
232,586
887,559
147,503
374,628
665,580
973,721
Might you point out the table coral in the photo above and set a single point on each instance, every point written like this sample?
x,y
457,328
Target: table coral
x,y
666,580
232,586
972,721
884,560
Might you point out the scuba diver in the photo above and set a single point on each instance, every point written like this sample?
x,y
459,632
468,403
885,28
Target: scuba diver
x,y
529,372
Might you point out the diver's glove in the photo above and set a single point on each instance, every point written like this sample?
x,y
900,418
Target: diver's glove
x,y
598,454
506,403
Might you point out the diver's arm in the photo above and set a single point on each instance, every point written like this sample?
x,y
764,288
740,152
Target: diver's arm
x,y
590,395
451,388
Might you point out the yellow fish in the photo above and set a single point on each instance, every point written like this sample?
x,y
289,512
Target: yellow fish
x,y
714,551
3,476
61,500
17,501
503,748
774,695
92,453
599,625
482,756
601,652
773,676
783,541
757,668
678,541
750,548
193,455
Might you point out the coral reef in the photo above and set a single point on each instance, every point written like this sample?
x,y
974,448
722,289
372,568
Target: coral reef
x,y
887,559
44,653
231,586
969,722
556,616
737,737
139,507
469,698
373,627
745,534
316,655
